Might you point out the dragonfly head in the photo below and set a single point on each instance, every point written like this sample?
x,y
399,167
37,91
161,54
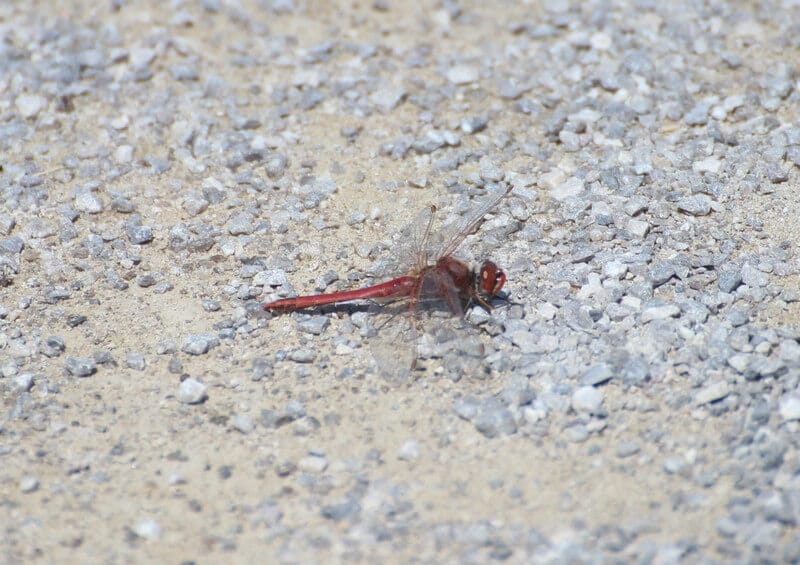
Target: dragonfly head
x,y
492,279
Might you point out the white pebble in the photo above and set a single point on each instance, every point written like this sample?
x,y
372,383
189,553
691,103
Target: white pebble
x,y
660,313
312,464
462,74
191,391
28,484
615,270
600,41
638,228
89,202
148,529
29,105
708,165
789,407
123,154
587,399
408,451
568,189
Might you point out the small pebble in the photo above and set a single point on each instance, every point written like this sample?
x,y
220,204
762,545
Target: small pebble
x,y
24,382
312,464
89,202
29,105
191,391
409,451
696,205
80,366
789,407
135,361
712,393
462,74
199,344
29,484
587,399
148,528
627,449
243,423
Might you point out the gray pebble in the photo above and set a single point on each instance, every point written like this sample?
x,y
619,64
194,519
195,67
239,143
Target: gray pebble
x,y
661,273
675,465
627,449
473,124
314,325
53,346
698,115
388,97
199,344
285,469
494,419
191,391
776,173
638,228
243,423
467,407
577,433
789,406
518,392
135,361
122,204
729,280
340,511
7,223
738,316
489,171
241,223
303,355
139,235
80,366
712,393
696,205
262,367
9,368
294,410
753,277
24,382
194,204
306,426
635,371
597,374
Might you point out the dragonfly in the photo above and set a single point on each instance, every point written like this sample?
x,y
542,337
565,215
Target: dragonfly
x,y
428,275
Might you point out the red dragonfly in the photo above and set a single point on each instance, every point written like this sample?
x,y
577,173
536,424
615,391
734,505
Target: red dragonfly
x,y
432,273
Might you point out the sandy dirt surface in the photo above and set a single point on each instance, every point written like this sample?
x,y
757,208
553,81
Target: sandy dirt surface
x,y
263,144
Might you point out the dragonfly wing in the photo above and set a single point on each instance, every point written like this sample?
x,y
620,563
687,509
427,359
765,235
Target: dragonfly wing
x,y
452,235
393,343
407,250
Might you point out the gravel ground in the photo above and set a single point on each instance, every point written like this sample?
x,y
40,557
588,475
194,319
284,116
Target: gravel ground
x,y
166,167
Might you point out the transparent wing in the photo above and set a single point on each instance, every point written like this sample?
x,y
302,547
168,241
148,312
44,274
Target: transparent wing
x,y
394,343
407,250
447,240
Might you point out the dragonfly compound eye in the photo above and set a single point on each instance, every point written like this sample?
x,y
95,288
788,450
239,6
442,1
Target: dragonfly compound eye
x,y
492,279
